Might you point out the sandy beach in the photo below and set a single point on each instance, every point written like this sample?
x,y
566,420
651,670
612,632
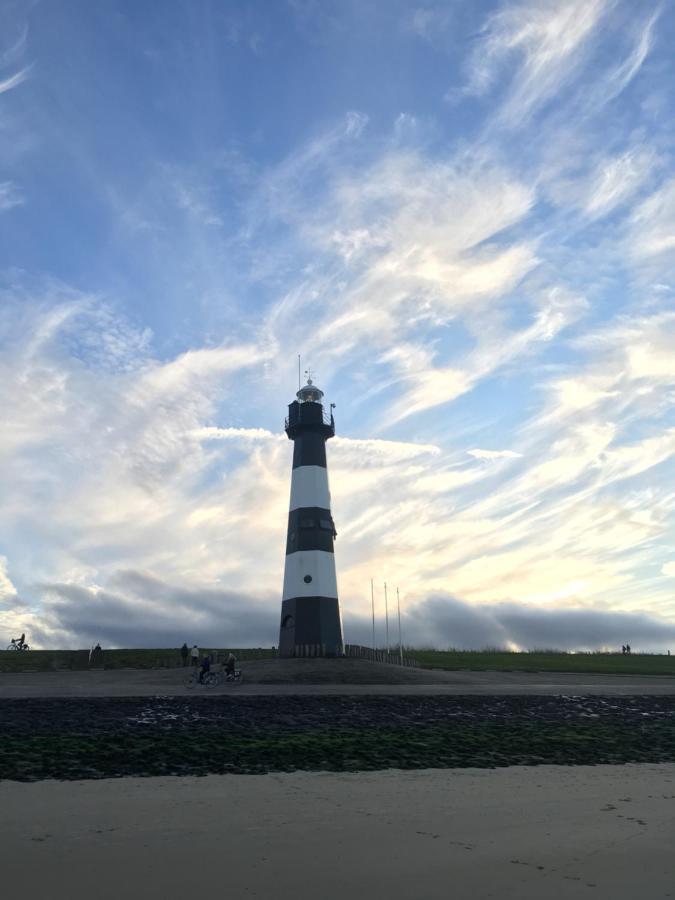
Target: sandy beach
x,y
520,832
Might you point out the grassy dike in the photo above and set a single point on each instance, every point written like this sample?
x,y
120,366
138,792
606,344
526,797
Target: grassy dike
x,y
451,660
547,661
152,658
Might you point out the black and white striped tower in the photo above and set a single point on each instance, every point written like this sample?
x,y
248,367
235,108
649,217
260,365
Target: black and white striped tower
x,y
310,612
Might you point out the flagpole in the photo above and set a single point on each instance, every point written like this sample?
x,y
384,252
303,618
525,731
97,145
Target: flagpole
x,y
372,606
386,616
400,644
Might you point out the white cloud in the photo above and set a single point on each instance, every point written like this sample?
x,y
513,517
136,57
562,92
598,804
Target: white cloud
x,y
7,589
548,40
9,196
668,569
430,23
652,224
14,52
14,80
494,454
394,258
618,78
615,180
211,433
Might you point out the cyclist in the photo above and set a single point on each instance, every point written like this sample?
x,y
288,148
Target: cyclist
x,y
229,665
20,643
204,669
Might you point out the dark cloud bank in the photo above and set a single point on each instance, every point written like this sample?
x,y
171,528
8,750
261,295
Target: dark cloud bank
x,y
140,610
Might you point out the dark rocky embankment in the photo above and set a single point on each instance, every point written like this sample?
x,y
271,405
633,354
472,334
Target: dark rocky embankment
x,y
101,737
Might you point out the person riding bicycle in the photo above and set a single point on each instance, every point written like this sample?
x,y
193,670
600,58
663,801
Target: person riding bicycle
x,y
20,643
229,665
204,668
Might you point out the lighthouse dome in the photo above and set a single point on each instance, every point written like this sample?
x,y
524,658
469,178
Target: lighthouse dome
x,y
310,393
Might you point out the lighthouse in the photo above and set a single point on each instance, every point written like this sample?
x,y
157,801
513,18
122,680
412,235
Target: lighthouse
x,y
310,612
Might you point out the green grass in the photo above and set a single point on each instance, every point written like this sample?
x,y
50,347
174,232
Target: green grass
x,y
485,660
547,661
52,660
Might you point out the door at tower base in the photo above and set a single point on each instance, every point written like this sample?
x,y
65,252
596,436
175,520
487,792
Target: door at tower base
x,y
310,626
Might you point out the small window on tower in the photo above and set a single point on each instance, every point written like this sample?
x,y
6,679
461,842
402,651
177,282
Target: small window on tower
x,y
307,579
307,523
326,524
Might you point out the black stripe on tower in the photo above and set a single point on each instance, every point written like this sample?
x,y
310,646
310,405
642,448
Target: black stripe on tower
x,y
311,621
310,528
309,430
309,449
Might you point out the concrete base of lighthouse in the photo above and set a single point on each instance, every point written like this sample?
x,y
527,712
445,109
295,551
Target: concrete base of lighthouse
x,y
310,626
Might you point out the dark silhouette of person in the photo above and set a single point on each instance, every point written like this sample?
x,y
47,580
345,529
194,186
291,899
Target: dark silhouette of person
x,y
204,668
627,648
623,649
184,654
96,657
229,665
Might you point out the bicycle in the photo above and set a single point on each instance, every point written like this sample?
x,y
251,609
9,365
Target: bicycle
x,y
18,644
212,679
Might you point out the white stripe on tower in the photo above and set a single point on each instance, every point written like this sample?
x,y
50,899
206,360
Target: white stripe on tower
x,y
317,565
309,487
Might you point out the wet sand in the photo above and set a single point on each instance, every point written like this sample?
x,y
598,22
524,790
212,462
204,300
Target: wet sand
x,y
522,832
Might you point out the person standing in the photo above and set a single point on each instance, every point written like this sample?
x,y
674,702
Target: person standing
x,y
184,654
194,656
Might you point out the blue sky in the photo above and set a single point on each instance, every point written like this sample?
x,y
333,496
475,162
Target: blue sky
x,y
462,215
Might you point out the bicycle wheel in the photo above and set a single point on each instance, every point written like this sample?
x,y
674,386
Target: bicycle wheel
x,y
12,647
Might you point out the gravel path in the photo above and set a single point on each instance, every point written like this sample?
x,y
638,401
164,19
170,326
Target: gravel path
x,y
326,677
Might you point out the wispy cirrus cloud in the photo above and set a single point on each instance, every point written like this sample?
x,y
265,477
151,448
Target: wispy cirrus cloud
x,y
652,224
616,79
10,54
7,84
548,41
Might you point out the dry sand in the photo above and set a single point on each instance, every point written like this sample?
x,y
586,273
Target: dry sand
x,y
544,832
